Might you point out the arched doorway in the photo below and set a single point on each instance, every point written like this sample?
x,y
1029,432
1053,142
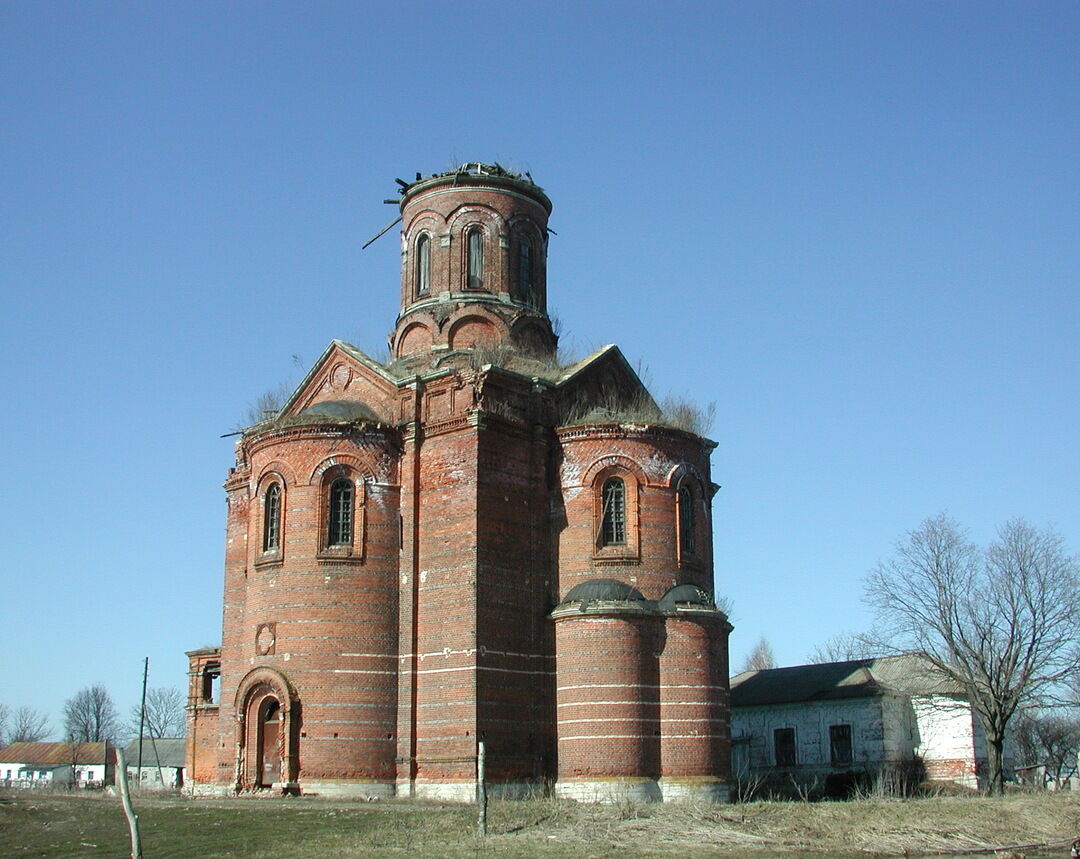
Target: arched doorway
x,y
268,731
267,743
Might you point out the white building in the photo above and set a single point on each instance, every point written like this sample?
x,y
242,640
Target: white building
x,y
162,762
84,764
827,727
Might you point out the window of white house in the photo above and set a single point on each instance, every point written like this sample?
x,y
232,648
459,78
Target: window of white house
x,y
840,744
784,747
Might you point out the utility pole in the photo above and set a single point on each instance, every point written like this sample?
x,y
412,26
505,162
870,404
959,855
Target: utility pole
x,y
142,712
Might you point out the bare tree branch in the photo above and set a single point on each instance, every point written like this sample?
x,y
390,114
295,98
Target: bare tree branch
x,y
165,716
842,647
761,658
28,726
91,716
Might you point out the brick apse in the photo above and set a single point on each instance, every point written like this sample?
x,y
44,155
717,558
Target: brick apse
x,y
471,542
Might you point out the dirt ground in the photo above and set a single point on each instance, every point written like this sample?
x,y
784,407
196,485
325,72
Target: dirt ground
x,y
74,824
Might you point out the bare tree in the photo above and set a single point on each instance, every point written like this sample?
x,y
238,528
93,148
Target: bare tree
x,y
1001,623
28,726
761,658
91,716
842,647
4,714
1050,739
165,715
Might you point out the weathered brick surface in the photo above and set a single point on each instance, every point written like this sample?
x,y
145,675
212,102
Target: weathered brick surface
x,y
475,515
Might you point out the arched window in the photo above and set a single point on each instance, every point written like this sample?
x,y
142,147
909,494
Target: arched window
x,y
613,520
475,254
339,520
423,264
686,521
272,518
525,272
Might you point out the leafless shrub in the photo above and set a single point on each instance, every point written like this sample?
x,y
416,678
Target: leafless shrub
x,y
687,415
611,408
266,406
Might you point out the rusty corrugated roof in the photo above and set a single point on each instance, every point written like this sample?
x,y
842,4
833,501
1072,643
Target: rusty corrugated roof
x,y
56,754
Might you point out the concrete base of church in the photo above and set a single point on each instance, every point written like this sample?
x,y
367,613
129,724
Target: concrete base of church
x,y
610,790
702,789
348,788
193,788
466,791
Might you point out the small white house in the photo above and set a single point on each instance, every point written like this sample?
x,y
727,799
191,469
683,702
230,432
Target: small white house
x,y
78,764
824,727
162,762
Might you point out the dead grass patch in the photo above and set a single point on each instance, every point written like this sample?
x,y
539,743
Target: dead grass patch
x,y
306,828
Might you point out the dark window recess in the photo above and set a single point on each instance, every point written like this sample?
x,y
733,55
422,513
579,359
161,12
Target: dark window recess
x,y
784,746
525,273
686,522
423,265
475,250
339,530
613,524
840,744
211,683
272,519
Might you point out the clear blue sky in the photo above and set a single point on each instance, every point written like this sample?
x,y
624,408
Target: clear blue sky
x,y
854,227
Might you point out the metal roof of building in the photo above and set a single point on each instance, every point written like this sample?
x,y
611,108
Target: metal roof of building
x,y
57,754
166,752
909,674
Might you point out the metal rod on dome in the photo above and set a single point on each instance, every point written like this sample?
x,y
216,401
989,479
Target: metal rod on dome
x,y
382,232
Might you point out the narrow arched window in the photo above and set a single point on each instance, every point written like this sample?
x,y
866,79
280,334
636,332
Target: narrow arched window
x,y
525,273
613,522
686,522
423,264
339,530
475,252
272,518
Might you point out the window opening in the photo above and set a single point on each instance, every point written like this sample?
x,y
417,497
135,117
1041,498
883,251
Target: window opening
x,y
272,518
784,746
686,521
340,519
840,744
423,265
613,523
211,683
525,274
476,258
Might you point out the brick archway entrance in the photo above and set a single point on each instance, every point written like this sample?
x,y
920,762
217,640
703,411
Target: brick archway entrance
x,y
267,710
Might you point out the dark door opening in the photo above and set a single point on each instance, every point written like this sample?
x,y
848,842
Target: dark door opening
x,y
269,751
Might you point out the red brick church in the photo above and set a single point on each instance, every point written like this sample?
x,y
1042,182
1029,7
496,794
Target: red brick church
x,y
471,542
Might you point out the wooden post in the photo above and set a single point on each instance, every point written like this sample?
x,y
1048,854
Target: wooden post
x,y
132,817
481,791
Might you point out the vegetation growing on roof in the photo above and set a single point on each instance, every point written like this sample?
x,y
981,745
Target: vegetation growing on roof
x,y
640,408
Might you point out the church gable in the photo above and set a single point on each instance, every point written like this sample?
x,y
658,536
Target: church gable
x,y
604,383
345,375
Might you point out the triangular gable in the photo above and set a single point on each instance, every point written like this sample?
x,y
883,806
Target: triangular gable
x,y
604,371
344,373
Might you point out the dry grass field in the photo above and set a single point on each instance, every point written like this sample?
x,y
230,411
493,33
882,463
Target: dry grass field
x,y
62,824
